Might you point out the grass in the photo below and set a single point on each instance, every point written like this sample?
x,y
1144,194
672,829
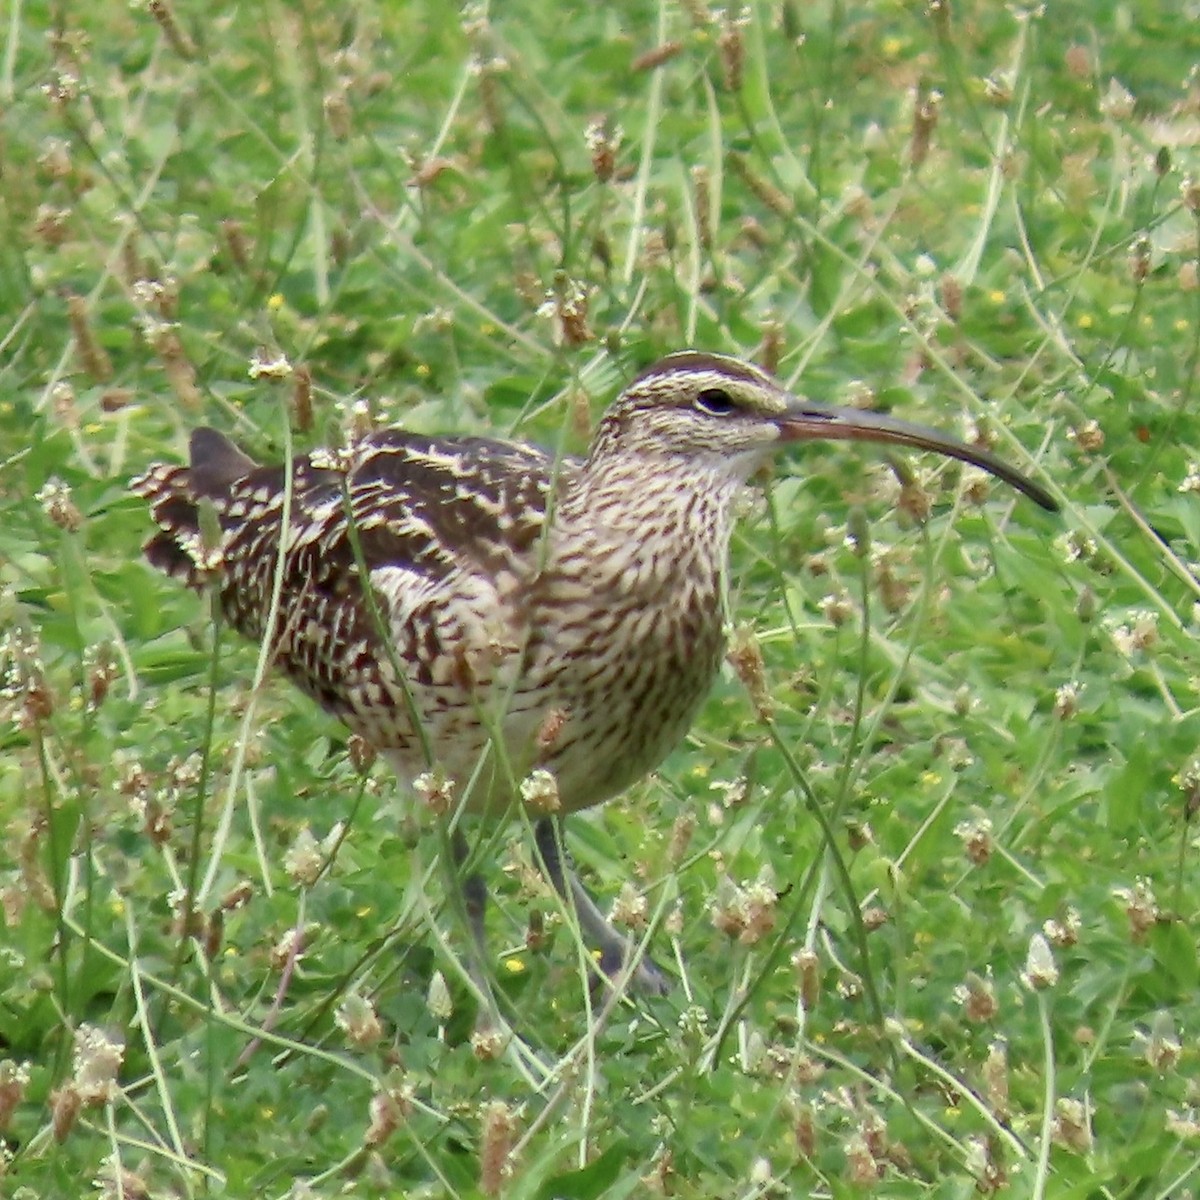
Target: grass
x,y
932,908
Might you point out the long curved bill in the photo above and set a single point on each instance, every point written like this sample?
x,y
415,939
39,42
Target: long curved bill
x,y
806,421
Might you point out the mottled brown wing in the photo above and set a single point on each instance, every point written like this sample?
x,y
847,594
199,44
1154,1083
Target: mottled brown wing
x,y
429,507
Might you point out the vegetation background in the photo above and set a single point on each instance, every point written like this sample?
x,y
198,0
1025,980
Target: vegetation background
x,y
930,887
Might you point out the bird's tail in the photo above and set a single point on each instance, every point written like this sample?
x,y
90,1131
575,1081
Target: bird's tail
x,y
175,494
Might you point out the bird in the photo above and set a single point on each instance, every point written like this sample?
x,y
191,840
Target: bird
x,y
484,613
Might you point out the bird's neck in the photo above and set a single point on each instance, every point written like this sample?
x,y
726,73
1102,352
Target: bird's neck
x,y
649,522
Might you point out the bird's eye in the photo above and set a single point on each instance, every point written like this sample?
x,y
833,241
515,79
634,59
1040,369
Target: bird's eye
x,y
716,401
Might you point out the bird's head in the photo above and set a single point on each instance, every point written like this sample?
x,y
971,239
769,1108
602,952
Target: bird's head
x,y
724,415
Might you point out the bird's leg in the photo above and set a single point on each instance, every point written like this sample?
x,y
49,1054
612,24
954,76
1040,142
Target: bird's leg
x,y
475,898
474,893
615,948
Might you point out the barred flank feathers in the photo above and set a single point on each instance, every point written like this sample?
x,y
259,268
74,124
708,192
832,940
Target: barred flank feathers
x,y
216,465
177,517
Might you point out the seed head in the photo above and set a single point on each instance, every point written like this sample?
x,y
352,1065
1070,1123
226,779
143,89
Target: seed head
x,y
1041,971
995,1078
213,933
487,1044
98,1058
536,937
52,225
989,1175
101,665
539,792
778,202
1139,260
361,753
288,950
804,1129
630,908
55,158
656,56
267,365
357,1019
14,1078
566,305
63,87
998,89
1144,631
1089,437
388,1109
603,139
1072,1125
1184,1125
952,297
976,835
237,896
682,831
65,1107
745,912
733,792
771,346
914,501
302,398
874,916
551,730
977,996
115,1182
303,859
927,107
55,498
1066,700
1086,605
237,244
1140,907
1189,193
435,789
499,1127
838,608
175,35
745,656
693,1025
1078,61
63,400
808,968
894,591
163,337
1118,101
438,999
1191,481
93,359
1063,931
732,45
861,1165
1160,1046
859,834
338,111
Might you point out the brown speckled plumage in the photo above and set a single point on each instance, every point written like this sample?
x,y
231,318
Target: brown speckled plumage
x,y
574,606
601,626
